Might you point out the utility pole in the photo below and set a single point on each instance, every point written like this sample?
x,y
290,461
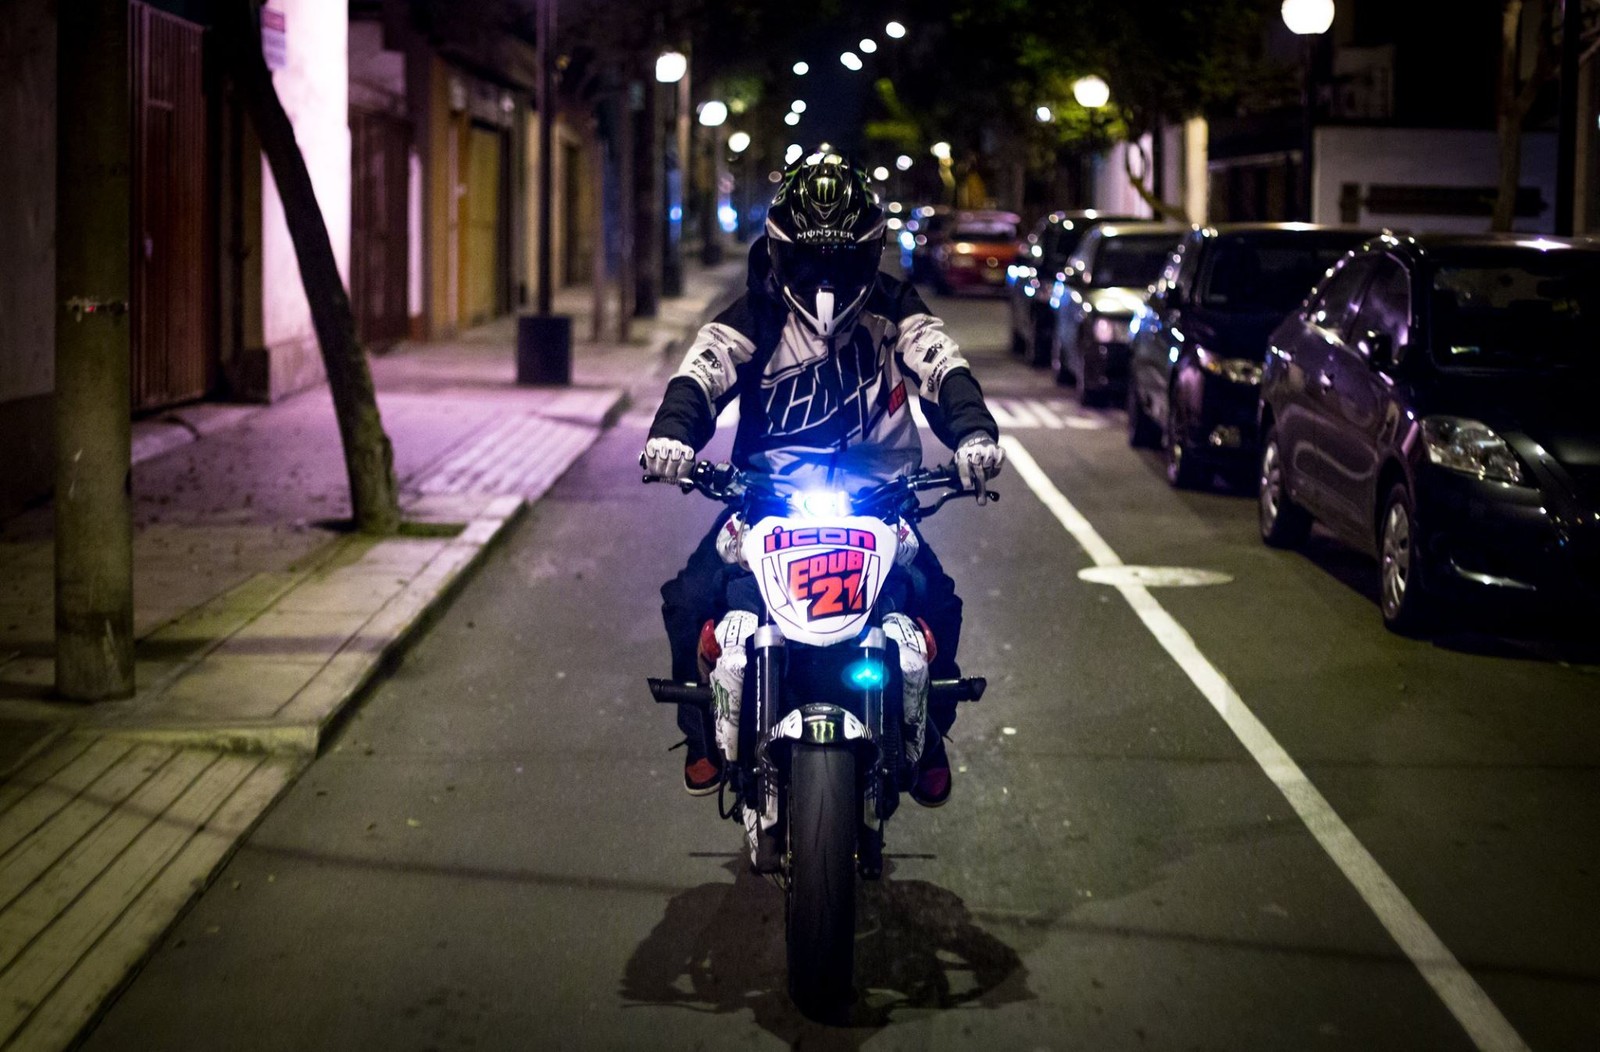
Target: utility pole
x,y
93,430
1567,131
544,340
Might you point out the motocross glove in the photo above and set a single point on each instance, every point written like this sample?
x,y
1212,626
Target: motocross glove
x,y
667,458
978,459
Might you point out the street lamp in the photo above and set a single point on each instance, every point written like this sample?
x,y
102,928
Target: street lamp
x,y
791,118
713,114
868,46
903,162
1091,92
1043,115
792,154
940,150
851,61
1307,19
739,141
880,173
802,68
894,30
798,106
670,67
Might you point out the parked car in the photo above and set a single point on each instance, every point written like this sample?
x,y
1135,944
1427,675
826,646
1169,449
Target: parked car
x,y
924,231
1040,260
973,255
1105,284
1433,402
1198,346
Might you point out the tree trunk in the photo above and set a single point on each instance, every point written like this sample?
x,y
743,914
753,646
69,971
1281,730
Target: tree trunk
x,y
93,502
1161,208
627,272
1508,117
368,454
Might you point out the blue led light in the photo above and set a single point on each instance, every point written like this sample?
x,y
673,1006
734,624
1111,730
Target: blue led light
x,y
864,675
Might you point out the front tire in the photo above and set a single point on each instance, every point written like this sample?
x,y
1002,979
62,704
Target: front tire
x,y
1184,469
821,901
1142,432
1044,330
1402,596
1058,361
1284,524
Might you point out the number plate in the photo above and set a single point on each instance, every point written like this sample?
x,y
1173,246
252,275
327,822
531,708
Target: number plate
x,y
820,578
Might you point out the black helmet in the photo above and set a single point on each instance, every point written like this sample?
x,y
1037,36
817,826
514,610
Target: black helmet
x,y
825,233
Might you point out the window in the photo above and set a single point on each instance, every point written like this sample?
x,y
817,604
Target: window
x,y
1386,308
1516,310
1265,274
1334,305
1129,261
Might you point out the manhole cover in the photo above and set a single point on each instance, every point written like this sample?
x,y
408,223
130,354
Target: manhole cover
x,y
1153,576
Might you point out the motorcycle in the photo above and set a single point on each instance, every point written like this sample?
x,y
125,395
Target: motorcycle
x,y
817,747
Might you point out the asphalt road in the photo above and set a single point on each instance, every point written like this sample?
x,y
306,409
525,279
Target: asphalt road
x,y
497,853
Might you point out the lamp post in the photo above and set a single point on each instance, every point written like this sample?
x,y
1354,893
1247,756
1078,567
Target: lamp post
x,y
672,67
1093,94
1307,19
713,115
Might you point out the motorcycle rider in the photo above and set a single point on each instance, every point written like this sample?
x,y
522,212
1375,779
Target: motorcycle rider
x,y
823,352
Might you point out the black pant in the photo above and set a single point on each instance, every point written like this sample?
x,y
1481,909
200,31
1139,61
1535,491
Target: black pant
x,y
700,593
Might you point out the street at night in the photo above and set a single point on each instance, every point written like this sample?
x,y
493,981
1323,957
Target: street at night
x,y
717,524
496,851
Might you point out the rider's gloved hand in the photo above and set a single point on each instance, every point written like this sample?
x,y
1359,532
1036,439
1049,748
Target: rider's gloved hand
x,y
667,458
978,459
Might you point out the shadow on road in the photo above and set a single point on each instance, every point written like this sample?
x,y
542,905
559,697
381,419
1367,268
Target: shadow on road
x,y
719,949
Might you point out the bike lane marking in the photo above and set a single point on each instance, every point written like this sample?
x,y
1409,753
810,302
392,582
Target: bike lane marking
x,y
1461,994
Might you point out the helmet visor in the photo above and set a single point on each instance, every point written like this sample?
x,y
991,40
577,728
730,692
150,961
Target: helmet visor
x,y
845,269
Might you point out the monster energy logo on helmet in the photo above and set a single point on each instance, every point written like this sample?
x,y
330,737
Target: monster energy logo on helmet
x,y
825,232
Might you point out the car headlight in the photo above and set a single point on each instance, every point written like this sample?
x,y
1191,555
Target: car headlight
x,y
1471,448
1109,330
1234,370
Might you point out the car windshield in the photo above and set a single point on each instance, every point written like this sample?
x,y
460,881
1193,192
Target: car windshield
x,y
1130,260
1534,311
1265,274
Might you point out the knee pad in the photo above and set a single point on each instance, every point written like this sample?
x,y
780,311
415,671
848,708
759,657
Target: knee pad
x,y
727,677
913,648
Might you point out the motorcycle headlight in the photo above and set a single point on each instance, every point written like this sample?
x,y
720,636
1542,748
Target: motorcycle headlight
x,y
1234,370
1471,448
821,504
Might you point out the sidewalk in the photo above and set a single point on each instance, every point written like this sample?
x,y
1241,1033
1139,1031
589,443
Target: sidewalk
x,y
257,623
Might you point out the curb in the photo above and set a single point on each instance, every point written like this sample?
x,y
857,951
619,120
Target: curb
x,y
350,672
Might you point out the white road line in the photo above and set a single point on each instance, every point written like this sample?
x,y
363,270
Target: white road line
x,y
1050,420
1460,993
1012,414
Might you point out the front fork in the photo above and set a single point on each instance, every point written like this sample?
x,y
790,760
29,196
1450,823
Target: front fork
x,y
821,723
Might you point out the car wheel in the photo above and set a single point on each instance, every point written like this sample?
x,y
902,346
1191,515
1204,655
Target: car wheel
x,y
1044,329
1184,469
1402,596
1058,361
1284,524
1142,431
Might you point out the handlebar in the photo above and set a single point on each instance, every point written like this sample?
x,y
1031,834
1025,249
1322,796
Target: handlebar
x,y
896,498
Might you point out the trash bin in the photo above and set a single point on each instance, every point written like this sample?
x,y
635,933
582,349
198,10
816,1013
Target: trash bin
x,y
544,349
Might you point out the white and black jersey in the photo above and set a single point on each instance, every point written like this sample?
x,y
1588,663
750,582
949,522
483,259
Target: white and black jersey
x,y
832,412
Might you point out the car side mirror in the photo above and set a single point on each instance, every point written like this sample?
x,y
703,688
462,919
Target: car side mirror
x,y
1378,347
